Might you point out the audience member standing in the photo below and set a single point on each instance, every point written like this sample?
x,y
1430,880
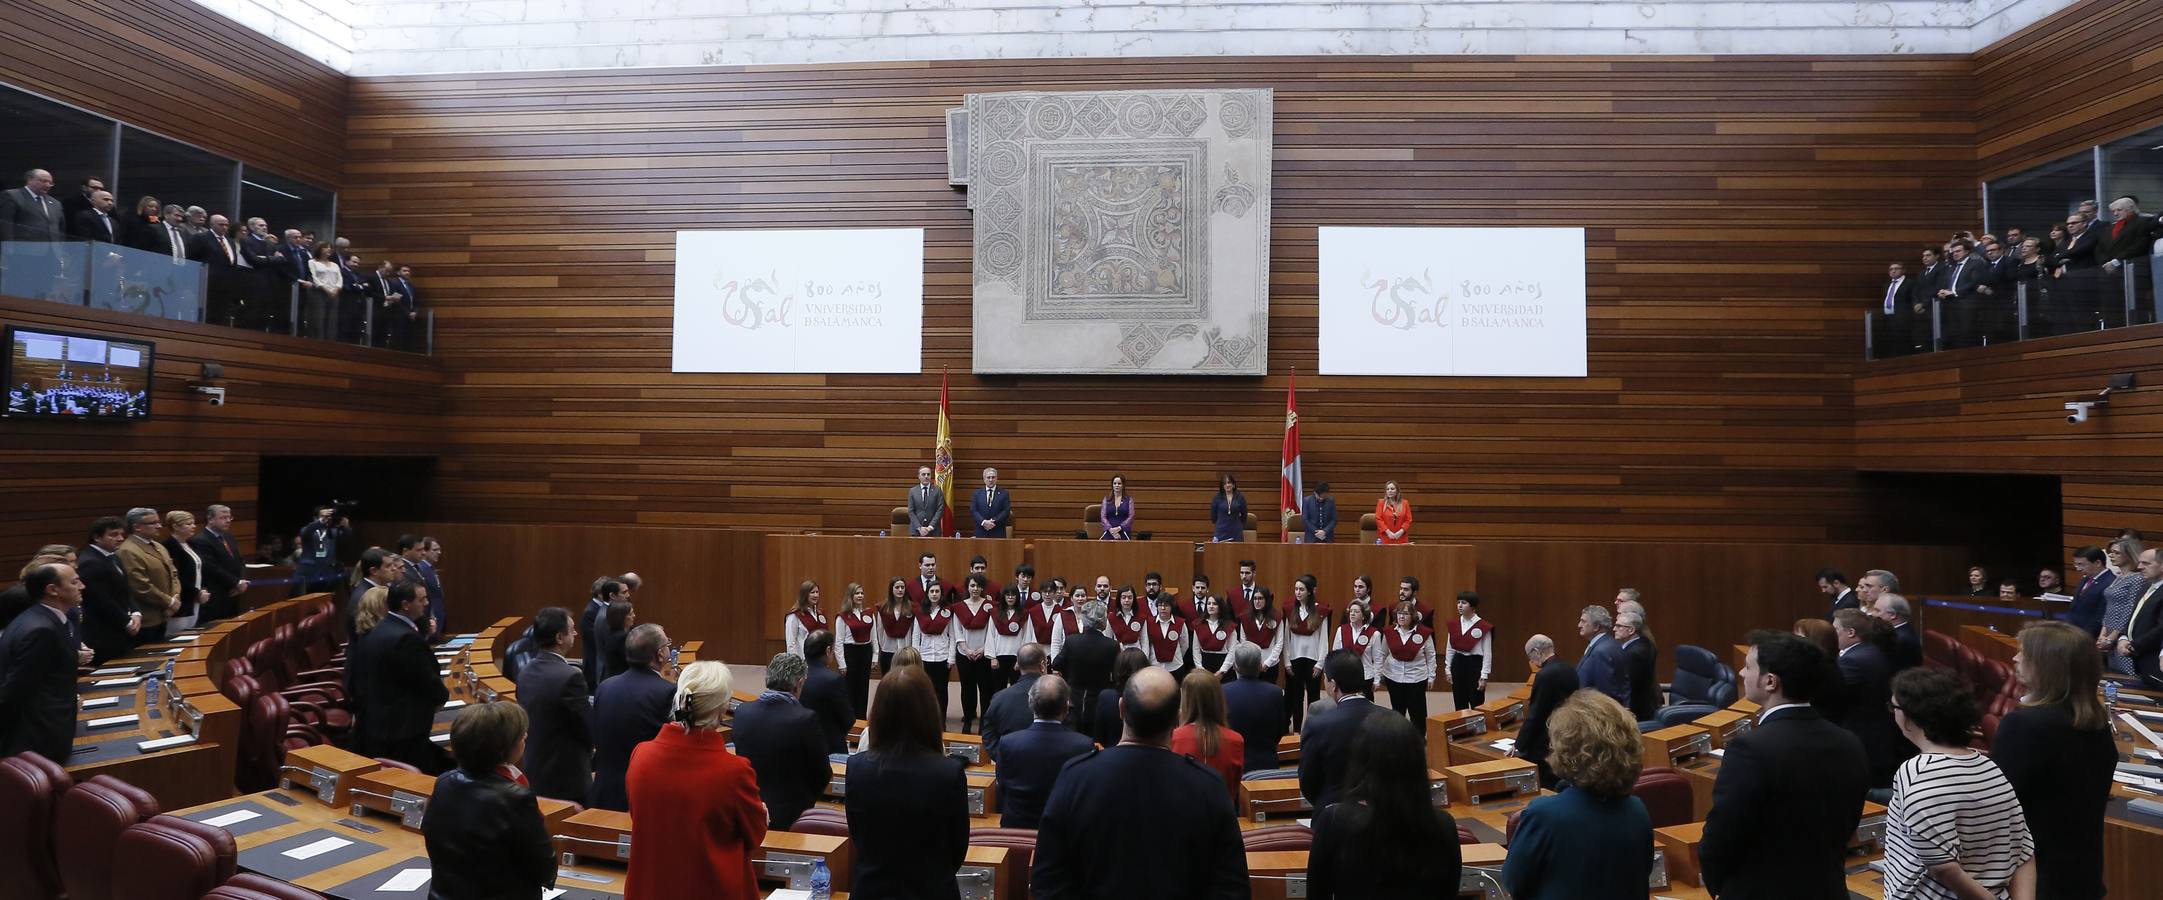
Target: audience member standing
x,y
2056,751
1955,827
1790,792
559,753
1029,760
391,678
908,803
1319,511
1203,734
419,552
1604,667
1326,746
2088,599
1384,838
320,302
1228,512
482,825
30,213
1086,659
1392,517
2127,587
1009,711
1085,845
1894,610
1553,681
1642,657
189,566
1593,840
1255,708
826,693
1116,513
937,641
2143,638
153,582
804,618
593,624
37,668
224,575
629,710
696,817
784,743
1306,641
110,619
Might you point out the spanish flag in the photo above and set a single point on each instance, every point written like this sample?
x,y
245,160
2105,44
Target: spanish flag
x,y
1290,491
942,454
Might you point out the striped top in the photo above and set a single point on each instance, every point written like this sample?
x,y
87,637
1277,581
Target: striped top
x,y
1953,808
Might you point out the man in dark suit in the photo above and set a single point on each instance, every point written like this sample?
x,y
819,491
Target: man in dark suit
x,y
630,710
1961,296
1833,584
1028,761
826,693
1907,639
2128,237
95,221
415,549
30,213
927,507
991,508
1894,318
110,620
927,574
37,667
170,236
1790,792
1320,512
593,623
1008,711
1553,681
1604,667
2088,602
1084,844
1325,746
2079,250
2143,638
1086,659
1866,678
224,574
559,742
1254,708
414,332
228,287
78,200
392,684
784,744
1643,657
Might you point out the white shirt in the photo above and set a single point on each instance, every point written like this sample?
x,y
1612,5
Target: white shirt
x,y
1305,646
793,632
891,644
938,648
1485,648
1272,652
1367,658
1419,670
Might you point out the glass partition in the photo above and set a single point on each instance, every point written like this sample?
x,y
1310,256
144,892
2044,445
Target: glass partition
x,y
41,270
173,172
285,203
2034,200
124,279
36,133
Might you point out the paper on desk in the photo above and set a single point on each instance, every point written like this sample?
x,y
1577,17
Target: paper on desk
x,y
2054,598
787,894
2140,781
1305,823
453,704
310,851
111,720
404,881
1719,753
1505,744
2135,722
185,638
232,818
114,682
101,703
116,670
553,893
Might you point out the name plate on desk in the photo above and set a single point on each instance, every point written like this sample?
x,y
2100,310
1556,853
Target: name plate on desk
x,y
110,721
1870,829
977,882
1658,878
793,869
968,747
1461,724
1476,783
1725,725
178,740
101,703
1676,743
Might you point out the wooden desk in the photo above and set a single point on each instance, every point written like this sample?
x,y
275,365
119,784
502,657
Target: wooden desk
x,y
1991,645
1124,562
196,772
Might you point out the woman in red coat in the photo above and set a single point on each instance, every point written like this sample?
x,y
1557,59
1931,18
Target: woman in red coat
x,y
696,817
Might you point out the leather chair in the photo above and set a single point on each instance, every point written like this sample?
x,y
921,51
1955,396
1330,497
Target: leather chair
x,y
1941,650
1093,521
1278,837
262,748
250,886
1248,533
1370,529
1703,685
88,820
30,786
822,820
1666,795
171,859
1020,844
518,654
897,524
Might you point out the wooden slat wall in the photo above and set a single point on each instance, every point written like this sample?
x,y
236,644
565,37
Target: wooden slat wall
x,y
1737,209
2086,75
285,396
179,69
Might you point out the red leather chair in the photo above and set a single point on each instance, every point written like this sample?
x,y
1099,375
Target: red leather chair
x,y
262,747
1666,795
88,820
250,886
171,859
822,820
30,786
1279,837
1020,844
1941,650
1465,836
399,766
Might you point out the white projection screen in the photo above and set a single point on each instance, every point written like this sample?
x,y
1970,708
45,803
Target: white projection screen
x,y
810,302
1453,301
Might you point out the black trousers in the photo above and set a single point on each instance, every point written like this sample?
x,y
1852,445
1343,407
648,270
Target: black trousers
x,y
886,662
858,657
1410,700
976,687
1465,680
937,672
1003,678
1213,662
1302,685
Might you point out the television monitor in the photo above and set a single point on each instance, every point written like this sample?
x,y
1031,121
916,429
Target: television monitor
x,y
59,375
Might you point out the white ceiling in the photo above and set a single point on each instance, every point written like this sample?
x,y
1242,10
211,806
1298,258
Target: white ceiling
x,y
397,37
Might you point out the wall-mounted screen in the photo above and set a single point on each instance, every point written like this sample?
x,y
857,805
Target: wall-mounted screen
x,y
808,301
1452,301
58,375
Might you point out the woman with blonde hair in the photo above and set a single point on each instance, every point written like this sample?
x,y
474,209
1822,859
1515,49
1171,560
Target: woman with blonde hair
x,y
180,525
16,599
1593,840
2123,556
853,638
1203,733
2057,752
374,605
696,814
1392,517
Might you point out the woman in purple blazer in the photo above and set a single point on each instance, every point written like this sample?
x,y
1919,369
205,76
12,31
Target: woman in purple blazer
x,y
1118,512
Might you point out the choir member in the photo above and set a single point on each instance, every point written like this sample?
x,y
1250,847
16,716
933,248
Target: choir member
x,y
1357,634
1265,631
1306,641
1471,652
1167,638
1408,666
1008,620
897,623
856,627
973,660
937,642
1126,622
803,618
1214,636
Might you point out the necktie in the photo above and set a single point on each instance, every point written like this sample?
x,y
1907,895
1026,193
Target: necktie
x,y
228,248
173,234
1889,290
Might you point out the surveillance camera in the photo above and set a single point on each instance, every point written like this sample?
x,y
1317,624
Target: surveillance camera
x,y
2080,411
215,394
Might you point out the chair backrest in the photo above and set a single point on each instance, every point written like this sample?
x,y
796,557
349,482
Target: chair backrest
x,y
262,747
1941,650
821,820
1249,531
1370,528
250,886
30,785
1700,677
88,820
898,523
1093,520
1666,795
1279,837
171,859
517,655
1020,844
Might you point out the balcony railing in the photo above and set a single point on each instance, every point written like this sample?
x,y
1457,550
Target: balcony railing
x,y
2080,301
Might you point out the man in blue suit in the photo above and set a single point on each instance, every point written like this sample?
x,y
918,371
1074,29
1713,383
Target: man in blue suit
x,y
1029,760
1009,709
1320,511
1326,747
421,554
2095,578
1254,708
784,744
630,710
1605,667
991,509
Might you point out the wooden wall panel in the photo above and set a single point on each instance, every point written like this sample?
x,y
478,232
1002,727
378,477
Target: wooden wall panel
x,y
1728,201
177,68
2083,76
285,396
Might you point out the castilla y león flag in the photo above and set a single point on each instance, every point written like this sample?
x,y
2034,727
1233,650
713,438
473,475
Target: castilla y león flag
x,y
1290,490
